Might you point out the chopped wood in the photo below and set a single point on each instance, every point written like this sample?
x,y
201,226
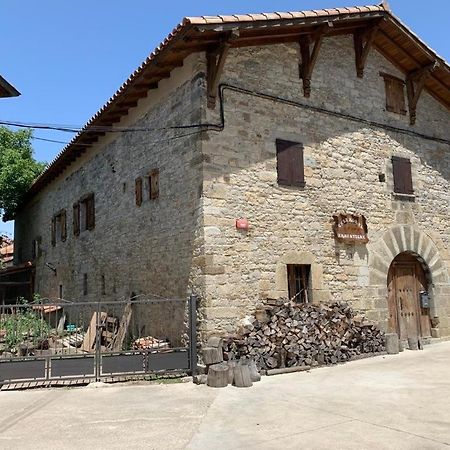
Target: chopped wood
x,y
295,334
218,375
215,342
123,328
242,376
287,370
91,333
150,342
212,355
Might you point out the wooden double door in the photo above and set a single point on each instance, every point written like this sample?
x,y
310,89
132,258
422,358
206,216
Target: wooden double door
x,y
406,279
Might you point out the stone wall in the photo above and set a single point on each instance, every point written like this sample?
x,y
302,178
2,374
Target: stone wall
x,y
343,160
146,250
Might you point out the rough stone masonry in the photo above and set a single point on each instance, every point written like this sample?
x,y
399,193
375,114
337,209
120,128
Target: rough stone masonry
x,y
186,240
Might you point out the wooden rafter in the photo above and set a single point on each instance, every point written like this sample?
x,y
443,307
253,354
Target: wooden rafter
x,y
363,40
215,63
415,82
309,57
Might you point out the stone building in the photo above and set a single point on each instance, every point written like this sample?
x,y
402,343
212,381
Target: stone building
x,y
302,154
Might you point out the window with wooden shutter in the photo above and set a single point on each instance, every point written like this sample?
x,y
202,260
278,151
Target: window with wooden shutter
x,y
53,231
76,219
401,168
290,165
138,191
90,213
395,94
63,225
153,184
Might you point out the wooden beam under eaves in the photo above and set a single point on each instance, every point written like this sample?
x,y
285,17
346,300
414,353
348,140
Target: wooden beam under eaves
x,y
309,56
215,60
363,40
415,82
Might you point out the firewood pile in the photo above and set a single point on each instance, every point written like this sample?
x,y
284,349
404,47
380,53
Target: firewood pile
x,y
220,373
282,334
150,342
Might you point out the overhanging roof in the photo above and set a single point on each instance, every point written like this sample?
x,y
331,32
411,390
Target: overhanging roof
x,y
393,40
7,90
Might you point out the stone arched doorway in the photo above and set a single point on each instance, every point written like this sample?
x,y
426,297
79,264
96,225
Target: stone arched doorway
x,y
408,276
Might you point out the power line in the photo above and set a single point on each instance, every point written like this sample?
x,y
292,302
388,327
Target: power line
x,y
105,129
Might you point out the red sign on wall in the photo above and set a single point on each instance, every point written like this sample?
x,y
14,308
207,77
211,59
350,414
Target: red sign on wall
x,y
242,224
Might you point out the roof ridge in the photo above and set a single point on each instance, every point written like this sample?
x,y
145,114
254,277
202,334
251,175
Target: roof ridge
x,y
195,20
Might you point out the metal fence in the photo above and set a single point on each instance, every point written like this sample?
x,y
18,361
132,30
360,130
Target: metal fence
x,y
49,341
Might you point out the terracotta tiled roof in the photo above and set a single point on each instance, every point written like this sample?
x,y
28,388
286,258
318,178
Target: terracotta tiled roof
x,y
280,15
394,40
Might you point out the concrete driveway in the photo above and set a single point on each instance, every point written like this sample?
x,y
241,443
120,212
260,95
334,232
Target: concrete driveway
x,y
391,402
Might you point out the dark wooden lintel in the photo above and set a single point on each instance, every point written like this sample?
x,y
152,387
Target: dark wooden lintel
x,y
415,82
308,56
215,60
363,40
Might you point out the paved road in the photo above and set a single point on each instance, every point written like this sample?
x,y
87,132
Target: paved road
x,y
392,402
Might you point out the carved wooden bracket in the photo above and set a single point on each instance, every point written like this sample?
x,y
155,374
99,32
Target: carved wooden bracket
x,y
215,60
363,41
415,82
308,57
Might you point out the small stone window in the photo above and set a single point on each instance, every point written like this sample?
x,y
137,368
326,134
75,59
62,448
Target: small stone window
x,y
84,214
103,285
59,227
138,191
299,282
395,93
153,184
85,284
36,250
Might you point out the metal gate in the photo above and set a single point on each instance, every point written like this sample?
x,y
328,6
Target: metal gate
x,y
95,341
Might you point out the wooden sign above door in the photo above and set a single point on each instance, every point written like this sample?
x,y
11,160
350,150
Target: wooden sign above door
x,y
350,228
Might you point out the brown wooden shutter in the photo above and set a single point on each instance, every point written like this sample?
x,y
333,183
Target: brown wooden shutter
x,y
154,184
290,164
63,219
76,219
53,231
138,191
395,94
401,168
90,212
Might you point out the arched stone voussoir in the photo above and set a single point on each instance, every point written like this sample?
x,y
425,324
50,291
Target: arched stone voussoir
x,y
406,238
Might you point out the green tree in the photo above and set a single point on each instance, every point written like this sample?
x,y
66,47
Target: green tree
x,y
18,169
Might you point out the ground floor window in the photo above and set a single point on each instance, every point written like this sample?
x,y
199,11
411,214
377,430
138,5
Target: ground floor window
x,y
298,282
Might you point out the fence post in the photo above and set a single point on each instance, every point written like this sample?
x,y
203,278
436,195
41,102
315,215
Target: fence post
x,y
193,334
98,349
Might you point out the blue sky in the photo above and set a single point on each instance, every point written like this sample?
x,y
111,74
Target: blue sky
x,y
68,57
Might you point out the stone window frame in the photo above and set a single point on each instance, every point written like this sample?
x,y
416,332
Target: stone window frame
x,y
59,227
84,214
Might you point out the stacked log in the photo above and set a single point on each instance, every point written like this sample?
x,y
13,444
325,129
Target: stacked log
x,y
220,373
287,334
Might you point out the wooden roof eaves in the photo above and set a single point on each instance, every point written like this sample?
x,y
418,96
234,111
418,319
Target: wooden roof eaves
x,y
7,89
185,39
